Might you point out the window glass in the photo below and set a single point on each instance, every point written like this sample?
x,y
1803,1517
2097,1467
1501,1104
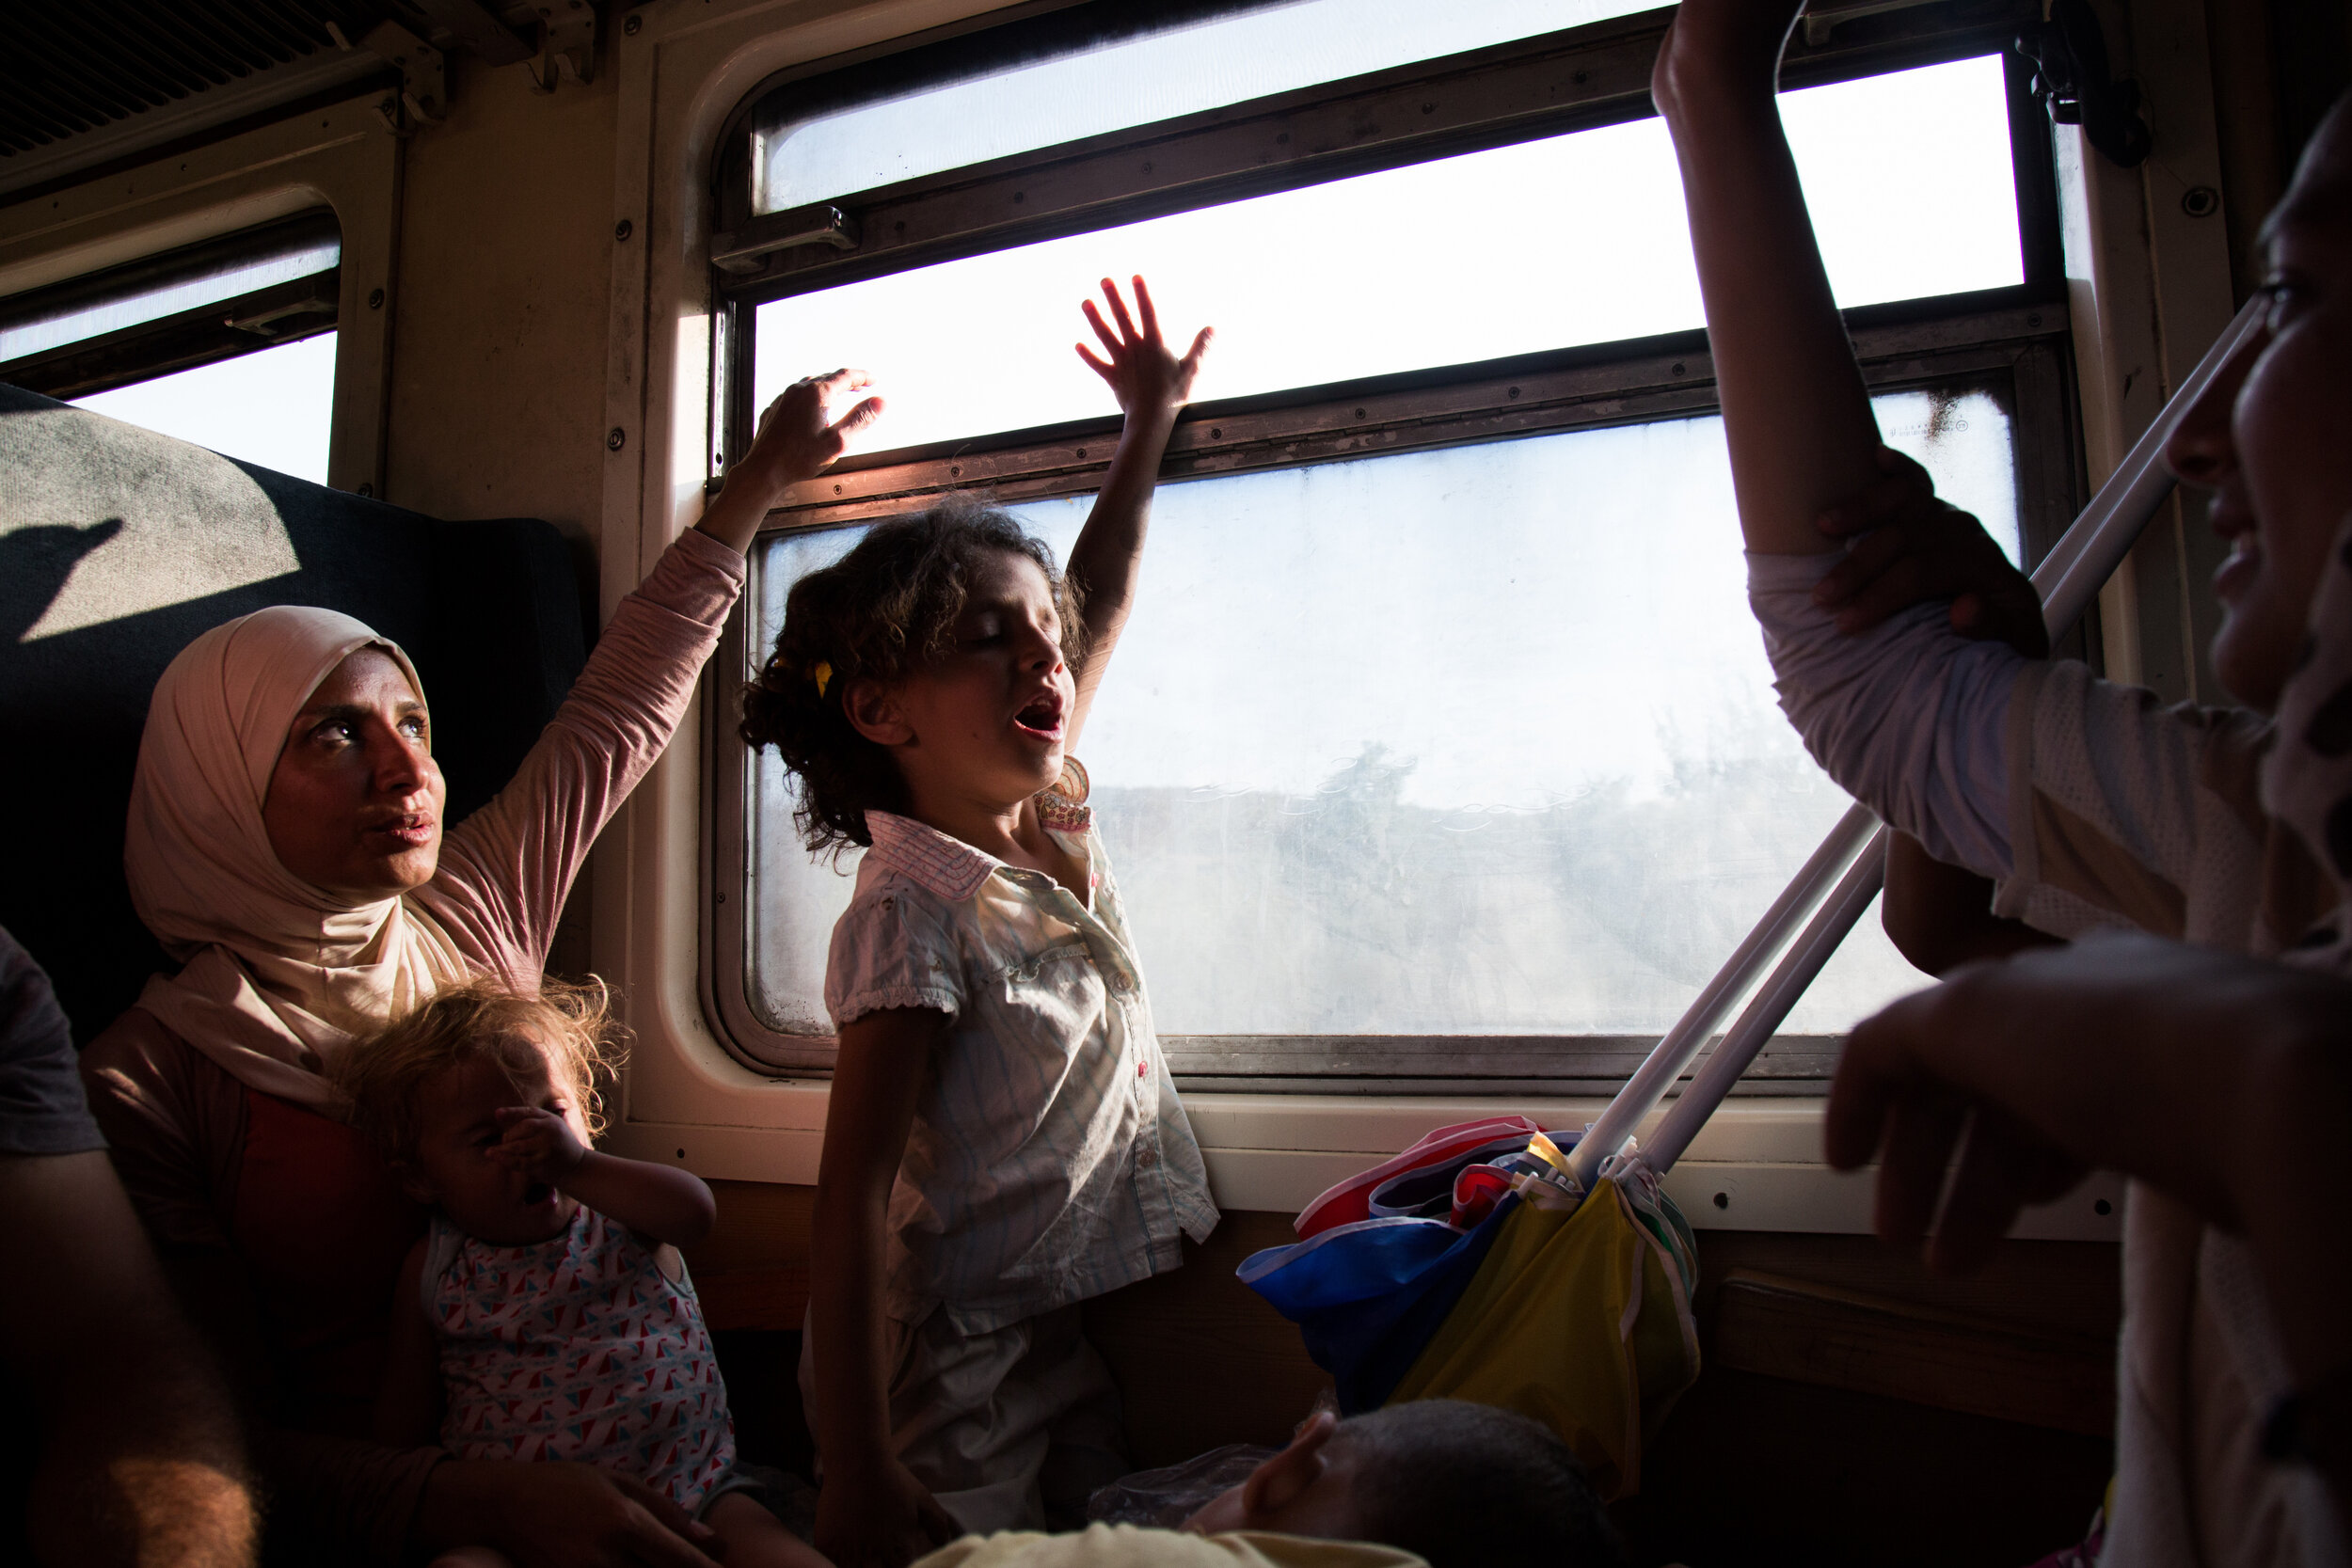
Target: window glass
x,y
1134,81
230,277
1570,240
274,407
1479,740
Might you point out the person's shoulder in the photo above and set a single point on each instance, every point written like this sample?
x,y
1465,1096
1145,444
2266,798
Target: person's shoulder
x,y
887,896
43,1109
139,1044
31,1023
2080,710
900,943
1297,1551
1136,1546
915,872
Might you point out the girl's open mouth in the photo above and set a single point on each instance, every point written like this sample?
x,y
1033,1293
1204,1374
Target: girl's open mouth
x,y
538,1193
1041,718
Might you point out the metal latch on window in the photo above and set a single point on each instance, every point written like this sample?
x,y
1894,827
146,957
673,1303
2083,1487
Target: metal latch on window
x,y
1823,16
276,320
742,250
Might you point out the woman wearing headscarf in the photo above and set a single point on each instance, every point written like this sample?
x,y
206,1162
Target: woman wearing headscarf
x,y
285,843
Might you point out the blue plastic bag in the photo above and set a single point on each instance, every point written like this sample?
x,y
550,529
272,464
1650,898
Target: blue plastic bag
x,y
1368,1297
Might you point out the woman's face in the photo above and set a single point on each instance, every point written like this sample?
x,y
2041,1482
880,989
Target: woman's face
x,y
355,803
2272,440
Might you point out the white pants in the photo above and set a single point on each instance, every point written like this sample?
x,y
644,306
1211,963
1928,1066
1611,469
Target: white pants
x,y
1011,1429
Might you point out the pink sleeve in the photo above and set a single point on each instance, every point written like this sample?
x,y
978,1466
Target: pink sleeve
x,y
506,869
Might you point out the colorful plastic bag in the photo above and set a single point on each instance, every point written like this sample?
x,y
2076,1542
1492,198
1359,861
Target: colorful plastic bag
x,y
1367,1296
1350,1201
1579,1316
1427,1192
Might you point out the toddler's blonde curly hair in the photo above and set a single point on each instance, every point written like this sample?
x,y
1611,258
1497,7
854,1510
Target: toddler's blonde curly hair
x,y
567,1025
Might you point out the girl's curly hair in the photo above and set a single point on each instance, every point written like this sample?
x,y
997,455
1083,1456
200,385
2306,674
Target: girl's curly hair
x,y
880,613
569,1026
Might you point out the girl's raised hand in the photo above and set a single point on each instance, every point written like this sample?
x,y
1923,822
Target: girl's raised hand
x,y
1143,373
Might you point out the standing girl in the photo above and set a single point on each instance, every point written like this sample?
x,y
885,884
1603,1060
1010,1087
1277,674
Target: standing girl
x,y
1002,1141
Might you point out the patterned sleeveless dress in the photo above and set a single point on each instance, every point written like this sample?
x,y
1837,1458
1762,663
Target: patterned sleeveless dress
x,y
578,1348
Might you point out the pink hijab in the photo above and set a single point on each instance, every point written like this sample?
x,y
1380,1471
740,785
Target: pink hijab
x,y
280,975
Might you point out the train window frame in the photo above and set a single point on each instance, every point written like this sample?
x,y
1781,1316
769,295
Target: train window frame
x,y
228,328
2013,341
341,156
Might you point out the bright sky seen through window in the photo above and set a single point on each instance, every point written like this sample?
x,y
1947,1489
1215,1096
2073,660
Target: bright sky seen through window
x,y
1227,59
275,408
1571,240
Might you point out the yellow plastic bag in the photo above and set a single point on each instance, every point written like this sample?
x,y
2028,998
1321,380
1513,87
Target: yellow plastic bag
x,y
1580,1318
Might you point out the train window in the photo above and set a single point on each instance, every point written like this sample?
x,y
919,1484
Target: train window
x,y
1440,753
229,345
1616,256
1166,62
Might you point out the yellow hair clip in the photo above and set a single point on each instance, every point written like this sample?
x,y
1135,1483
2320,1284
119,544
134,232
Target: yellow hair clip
x,y
824,676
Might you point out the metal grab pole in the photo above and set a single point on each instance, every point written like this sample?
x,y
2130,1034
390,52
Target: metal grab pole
x,y
2068,578
1797,971
2079,564
1672,1055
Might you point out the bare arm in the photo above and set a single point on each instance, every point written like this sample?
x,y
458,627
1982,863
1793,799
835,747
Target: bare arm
x,y
1940,916
659,1201
141,1461
409,1403
871,1511
795,442
507,869
1795,410
1151,384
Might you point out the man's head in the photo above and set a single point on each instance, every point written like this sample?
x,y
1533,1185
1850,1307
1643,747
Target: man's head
x,y
1462,1485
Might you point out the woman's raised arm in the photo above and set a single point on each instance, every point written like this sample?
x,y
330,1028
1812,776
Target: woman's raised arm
x,y
1799,419
505,870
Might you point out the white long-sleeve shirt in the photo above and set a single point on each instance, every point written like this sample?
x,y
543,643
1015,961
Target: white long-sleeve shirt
x,y
2091,803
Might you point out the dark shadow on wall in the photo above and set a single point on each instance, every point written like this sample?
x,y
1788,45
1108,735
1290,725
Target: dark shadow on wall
x,y
490,611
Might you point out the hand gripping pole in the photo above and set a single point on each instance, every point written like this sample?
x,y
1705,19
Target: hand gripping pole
x,y
1841,878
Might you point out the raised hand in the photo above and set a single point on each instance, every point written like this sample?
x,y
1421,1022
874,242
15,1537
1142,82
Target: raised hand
x,y
796,439
2121,1052
1144,376
1909,547
798,436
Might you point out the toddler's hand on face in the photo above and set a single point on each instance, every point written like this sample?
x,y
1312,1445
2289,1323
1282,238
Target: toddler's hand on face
x,y
538,1143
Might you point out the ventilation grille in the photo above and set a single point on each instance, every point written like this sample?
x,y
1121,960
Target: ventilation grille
x,y
71,69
